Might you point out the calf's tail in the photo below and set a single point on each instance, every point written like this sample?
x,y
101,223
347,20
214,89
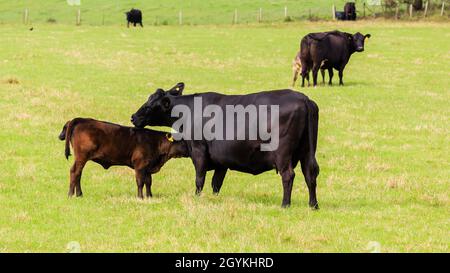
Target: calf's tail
x,y
66,134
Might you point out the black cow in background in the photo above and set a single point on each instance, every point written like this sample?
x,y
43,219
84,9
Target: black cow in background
x,y
350,11
328,50
134,16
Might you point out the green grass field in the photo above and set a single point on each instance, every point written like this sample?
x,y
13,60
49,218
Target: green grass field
x,y
383,141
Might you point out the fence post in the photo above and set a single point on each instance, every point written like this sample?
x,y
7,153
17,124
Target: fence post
x,y
285,12
426,9
180,17
410,10
333,10
235,17
260,15
443,7
396,12
25,16
78,17
364,10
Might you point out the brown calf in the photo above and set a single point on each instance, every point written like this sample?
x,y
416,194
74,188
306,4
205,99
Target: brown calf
x,y
297,69
110,144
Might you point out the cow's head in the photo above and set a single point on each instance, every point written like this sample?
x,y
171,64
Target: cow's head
x,y
156,111
358,41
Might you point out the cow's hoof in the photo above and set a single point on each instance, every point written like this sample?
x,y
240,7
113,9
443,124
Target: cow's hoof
x,y
285,206
216,193
314,207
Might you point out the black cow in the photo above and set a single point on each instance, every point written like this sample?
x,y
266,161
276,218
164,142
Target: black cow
x,y
350,11
298,126
328,50
134,16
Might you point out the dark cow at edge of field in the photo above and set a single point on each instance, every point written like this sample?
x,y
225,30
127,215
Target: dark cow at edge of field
x,y
110,144
328,50
350,11
134,16
298,128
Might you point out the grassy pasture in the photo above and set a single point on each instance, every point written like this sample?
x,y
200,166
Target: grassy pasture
x,y
383,141
195,12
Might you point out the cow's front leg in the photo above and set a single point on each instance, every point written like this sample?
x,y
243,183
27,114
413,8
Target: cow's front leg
x,y
287,177
217,180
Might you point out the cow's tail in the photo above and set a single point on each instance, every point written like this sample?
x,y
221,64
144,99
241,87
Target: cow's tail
x,y
312,128
66,134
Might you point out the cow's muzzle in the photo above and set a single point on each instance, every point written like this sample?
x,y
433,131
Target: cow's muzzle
x,y
360,49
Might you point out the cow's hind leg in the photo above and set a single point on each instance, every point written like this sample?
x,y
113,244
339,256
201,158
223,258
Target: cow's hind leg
x,y
140,23
341,75
315,71
322,71
217,180
330,75
305,75
287,177
310,170
75,177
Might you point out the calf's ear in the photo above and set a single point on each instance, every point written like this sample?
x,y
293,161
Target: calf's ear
x,y
177,90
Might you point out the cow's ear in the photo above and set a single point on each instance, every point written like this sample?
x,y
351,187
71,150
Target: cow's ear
x,y
166,103
367,36
177,90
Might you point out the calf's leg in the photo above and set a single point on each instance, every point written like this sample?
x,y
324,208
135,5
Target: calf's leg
x,y
217,180
75,177
140,178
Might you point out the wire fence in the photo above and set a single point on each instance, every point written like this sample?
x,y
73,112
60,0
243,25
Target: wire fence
x,y
229,15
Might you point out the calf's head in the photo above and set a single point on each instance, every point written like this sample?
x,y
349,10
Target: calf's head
x,y
357,40
156,111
